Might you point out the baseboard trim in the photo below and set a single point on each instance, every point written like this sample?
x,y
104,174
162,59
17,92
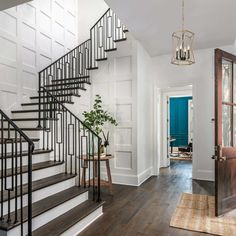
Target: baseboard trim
x,y
206,175
142,177
131,180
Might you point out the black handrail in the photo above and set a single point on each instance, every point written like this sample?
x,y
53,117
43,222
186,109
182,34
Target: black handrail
x,y
14,138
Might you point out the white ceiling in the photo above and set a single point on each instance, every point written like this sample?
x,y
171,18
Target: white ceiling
x,y
5,4
152,22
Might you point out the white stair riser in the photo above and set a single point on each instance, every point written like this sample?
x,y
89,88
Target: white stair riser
x,y
27,124
25,115
39,174
40,194
24,147
51,214
29,133
30,114
35,159
81,225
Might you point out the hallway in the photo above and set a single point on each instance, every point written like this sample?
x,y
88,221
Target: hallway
x,y
147,210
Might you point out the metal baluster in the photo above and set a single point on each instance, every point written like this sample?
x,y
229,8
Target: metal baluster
x,y
16,178
21,186
2,165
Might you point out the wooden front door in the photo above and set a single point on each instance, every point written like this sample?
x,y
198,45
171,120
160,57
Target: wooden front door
x,y
225,131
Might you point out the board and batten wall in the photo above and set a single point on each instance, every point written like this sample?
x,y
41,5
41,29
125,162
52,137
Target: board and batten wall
x,y
32,36
115,81
125,91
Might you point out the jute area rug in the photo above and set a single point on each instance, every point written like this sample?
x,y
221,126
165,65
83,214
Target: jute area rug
x,y
197,213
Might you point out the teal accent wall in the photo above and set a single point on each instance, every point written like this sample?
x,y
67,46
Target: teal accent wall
x,y
179,120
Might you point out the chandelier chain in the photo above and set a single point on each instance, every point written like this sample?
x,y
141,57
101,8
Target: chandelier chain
x,y
183,15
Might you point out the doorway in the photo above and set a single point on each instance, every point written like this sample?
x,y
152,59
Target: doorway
x,y
180,128
166,95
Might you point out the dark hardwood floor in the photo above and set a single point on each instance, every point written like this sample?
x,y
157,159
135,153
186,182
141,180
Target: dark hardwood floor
x,y
147,210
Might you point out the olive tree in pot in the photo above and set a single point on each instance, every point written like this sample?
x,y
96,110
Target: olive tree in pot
x,y
97,118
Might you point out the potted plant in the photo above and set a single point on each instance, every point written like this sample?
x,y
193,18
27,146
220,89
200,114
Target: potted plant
x,y
97,118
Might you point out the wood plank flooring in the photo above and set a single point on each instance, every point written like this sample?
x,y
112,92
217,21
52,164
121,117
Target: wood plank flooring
x,y
147,210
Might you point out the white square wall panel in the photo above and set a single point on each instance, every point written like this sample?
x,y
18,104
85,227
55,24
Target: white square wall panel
x,y
124,112
8,23
70,40
29,80
7,49
44,61
46,6
124,89
44,22
28,13
8,75
123,136
28,57
123,66
58,32
58,12
58,50
45,43
70,22
123,160
28,34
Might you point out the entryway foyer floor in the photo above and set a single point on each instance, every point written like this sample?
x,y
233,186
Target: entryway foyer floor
x,y
147,210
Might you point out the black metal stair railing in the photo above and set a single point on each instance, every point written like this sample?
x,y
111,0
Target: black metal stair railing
x,y
68,75
12,186
104,35
73,143
64,133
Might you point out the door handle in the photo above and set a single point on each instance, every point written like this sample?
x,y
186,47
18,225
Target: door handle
x,y
222,158
214,157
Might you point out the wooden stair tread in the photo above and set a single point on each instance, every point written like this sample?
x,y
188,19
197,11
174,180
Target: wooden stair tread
x,y
120,40
37,110
27,129
32,119
92,68
42,103
44,205
6,140
36,166
57,95
59,84
62,223
39,184
110,49
69,79
66,88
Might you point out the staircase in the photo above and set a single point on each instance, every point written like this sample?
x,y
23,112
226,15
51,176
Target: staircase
x,y
44,147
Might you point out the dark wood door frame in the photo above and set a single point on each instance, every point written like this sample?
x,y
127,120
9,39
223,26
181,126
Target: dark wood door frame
x,y
225,157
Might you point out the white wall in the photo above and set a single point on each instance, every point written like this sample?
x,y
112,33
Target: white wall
x,y
32,36
89,12
115,81
201,76
126,88
144,115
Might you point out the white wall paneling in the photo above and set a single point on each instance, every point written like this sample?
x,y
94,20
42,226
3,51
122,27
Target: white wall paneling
x,y
32,36
117,81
